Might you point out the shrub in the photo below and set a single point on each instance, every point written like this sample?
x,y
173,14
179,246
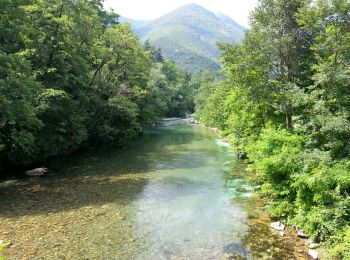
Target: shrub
x,y
275,158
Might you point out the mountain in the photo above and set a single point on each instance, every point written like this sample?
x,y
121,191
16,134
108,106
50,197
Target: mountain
x,y
189,35
135,23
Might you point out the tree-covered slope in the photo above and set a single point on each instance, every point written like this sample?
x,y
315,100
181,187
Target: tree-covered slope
x,y
285,105
71,76
189,35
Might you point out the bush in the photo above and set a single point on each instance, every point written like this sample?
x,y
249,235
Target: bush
x,y
323,202
341,244
275,159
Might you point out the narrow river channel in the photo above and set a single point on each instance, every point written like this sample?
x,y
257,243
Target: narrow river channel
x,y
177,193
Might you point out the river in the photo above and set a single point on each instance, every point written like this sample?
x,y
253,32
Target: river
x,y
177,193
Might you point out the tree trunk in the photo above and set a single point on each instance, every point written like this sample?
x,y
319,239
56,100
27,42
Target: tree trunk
x,y
289,120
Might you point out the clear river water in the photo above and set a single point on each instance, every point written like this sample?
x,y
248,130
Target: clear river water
x,y
177,193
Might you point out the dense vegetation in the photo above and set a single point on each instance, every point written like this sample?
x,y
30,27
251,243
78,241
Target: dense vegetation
x,y
70,75
286,102
188,36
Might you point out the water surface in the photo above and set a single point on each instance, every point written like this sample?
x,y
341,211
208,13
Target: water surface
x,y
177,193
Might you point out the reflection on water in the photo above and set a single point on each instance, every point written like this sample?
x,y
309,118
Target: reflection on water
x,y
176,194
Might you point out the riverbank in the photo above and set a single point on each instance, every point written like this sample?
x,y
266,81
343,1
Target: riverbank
x,y
304,244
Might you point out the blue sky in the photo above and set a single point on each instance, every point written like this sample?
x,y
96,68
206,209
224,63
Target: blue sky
x,y
150,9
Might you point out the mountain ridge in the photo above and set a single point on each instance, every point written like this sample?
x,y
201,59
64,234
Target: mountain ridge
x,y
188,35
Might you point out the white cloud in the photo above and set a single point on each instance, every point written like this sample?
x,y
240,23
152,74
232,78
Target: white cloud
x,y
239,10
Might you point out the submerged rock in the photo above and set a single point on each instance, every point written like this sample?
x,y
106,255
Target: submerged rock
x,y
278,226
37,172
236,249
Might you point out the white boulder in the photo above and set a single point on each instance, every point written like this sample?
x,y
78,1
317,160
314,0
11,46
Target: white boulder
x,y
37,172
278,226
313,254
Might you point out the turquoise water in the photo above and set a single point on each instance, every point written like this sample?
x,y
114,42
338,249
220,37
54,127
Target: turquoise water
x,y
177,193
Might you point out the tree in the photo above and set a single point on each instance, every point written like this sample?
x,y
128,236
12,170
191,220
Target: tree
x,y
120,73
158,56
19,121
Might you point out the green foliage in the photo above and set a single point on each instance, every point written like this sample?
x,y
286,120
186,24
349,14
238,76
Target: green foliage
x,y
2,246
214,106
62,88
288,107
119,123
341,244
64,128
323,200
244,117
2,257
203,91
276,157
19,121
180,87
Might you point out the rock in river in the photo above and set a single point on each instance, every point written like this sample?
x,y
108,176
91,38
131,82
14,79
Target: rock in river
x,y
236,249
301,234
278,226
37,172
313,254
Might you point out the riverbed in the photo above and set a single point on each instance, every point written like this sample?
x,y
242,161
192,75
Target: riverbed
x,y
177,193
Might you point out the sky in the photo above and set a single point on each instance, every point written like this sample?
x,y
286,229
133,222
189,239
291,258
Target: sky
x,y
238,10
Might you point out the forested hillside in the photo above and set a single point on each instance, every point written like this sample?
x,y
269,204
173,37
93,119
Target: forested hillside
x,y
189,35
70,75
286,103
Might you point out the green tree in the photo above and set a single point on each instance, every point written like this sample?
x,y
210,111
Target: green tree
x,y
121,70
19,121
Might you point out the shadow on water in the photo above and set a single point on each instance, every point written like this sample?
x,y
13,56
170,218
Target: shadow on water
x,y
105,175
156,148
